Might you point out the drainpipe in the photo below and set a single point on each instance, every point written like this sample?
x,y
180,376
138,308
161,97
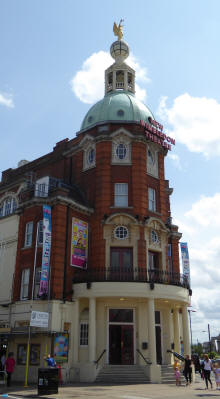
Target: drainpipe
x,y
66,254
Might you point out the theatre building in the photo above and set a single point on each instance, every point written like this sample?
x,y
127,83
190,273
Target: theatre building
x,y
94,247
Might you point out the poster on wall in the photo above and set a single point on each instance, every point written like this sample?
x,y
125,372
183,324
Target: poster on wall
x,y
185,260
79,243
61,344
45,269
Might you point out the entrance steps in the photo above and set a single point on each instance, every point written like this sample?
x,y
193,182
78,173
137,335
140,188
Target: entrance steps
x,y
167,375
122,374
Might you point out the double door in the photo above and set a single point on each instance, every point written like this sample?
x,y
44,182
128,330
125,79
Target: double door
x,y
121,344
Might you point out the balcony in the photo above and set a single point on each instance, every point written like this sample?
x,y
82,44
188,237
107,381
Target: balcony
x,y
130,275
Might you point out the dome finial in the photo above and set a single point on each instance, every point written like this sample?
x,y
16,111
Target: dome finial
x,y
118,29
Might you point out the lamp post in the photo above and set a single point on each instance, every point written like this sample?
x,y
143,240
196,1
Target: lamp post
x,y
209,335
190,325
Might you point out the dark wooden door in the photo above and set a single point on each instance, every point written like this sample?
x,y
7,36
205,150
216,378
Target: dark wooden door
x,y
127,345
121,344
115,344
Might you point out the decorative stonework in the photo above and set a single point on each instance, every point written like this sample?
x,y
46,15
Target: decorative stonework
x,y
89,153
152,161
121,149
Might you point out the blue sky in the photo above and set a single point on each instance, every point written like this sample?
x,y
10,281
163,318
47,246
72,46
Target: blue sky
x,y
53,55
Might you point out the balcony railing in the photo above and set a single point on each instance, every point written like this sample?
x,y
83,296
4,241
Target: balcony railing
x,y
137,275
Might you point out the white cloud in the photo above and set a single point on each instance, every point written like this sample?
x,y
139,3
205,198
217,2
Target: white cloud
x,y
201,229
6,100
194,122
175,159
88,83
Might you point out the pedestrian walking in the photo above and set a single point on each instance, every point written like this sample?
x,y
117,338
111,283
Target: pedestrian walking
x,y
216,369
188,370
9,367
207,370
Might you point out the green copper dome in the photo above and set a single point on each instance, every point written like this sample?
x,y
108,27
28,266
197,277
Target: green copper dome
x,y
117,106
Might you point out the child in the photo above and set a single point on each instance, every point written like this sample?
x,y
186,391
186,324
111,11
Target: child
x,y
177,376
216,370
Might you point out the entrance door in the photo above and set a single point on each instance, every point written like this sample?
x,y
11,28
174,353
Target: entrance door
x,y
121,263
127,342
121,344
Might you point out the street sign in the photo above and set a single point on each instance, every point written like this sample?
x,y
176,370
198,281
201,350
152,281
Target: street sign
x,y
39,319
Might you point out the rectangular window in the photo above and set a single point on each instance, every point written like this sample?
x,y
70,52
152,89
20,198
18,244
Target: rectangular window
x,y
24,284
84,333
151,199
28,234
121,195
40,232
121,315
42,187
37,282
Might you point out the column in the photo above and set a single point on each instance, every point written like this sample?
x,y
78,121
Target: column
x,y
76,332
151,331
92,329
176,326
114,80
186,340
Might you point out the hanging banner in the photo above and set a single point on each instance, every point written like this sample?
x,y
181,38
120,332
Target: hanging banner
x,y
45,269
79,244
185,260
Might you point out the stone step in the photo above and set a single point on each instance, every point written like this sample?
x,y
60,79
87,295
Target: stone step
x,y
122,374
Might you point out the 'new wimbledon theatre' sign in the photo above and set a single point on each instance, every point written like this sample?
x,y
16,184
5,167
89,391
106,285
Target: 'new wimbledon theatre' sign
x,y
154,132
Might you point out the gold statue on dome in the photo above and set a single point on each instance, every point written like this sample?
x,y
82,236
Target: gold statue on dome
x,y
118,30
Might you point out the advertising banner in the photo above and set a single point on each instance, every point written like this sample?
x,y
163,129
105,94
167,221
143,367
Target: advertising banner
x,y
39,319
185,260
79,243
45,269
61,344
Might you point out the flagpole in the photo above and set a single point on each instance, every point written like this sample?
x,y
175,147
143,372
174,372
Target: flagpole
x,y
31,304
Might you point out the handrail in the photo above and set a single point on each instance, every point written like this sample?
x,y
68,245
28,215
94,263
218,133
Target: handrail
x,y
99,358
126,274
144,358
177,355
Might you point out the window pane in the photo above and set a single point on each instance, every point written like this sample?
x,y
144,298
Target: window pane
x,y
121,315
84,333
40,232
121,194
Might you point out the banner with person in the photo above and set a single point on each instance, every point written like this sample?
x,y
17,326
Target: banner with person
x,y
45,269
185,260
79,243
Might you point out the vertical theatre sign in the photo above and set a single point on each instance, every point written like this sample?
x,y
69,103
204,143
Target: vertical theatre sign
x,y
45,269
79,243
185,260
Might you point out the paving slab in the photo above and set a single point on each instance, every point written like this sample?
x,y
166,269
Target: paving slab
x,y
112,391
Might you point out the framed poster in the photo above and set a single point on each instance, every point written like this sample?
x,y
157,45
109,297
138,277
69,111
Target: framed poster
x,y
79,243
35,355
61,347
22,354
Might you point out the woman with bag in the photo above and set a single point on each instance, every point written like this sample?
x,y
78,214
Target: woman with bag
x,y
188,370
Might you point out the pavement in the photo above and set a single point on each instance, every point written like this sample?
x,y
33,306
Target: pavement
x,y
138,391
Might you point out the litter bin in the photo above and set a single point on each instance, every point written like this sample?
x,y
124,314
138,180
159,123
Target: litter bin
x,y
48,381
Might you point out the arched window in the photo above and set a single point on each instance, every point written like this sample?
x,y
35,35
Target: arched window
x,y
8,206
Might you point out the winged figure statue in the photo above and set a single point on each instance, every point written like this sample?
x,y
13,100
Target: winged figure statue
x,y
118,29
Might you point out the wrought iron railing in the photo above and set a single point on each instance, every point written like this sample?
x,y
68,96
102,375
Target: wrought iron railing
x,y
130,275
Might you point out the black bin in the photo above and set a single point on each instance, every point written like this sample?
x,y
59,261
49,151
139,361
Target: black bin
x,y
48,381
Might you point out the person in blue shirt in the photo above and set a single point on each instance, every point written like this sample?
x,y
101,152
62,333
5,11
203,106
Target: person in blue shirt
x,y
50,361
